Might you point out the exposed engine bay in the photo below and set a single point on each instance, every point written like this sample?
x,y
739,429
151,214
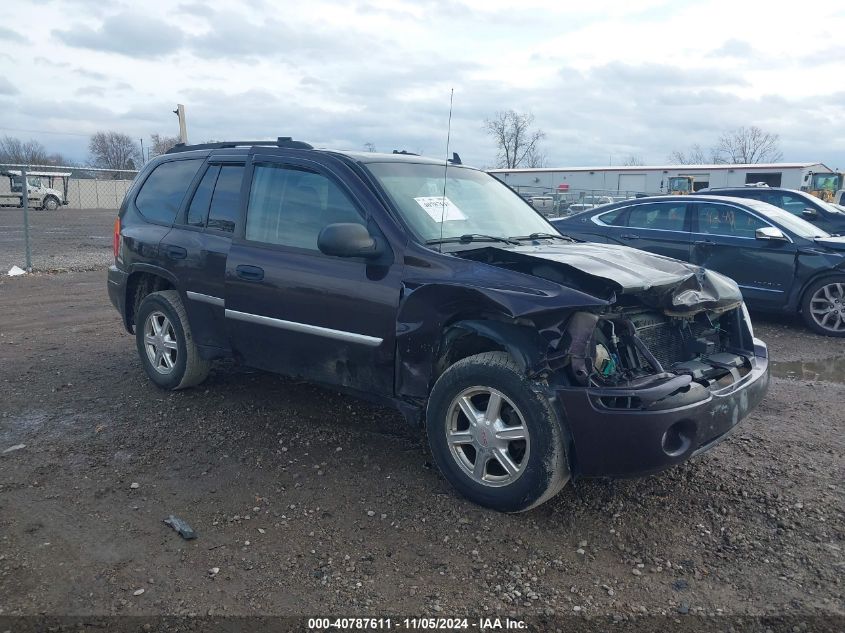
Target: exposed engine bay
x,y
667,324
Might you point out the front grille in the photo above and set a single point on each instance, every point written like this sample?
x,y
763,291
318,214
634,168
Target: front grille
x,y
664,341
664,338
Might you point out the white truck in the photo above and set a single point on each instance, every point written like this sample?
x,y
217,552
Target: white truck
x,y
45,190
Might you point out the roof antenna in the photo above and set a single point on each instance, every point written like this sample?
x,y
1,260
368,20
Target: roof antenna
x,y
446,171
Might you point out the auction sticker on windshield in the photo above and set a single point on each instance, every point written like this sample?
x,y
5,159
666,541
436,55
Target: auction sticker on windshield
x,y
440,208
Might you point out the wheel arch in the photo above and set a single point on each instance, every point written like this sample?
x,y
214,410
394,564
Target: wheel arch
x,y
825,274
142,281
47,197
439,324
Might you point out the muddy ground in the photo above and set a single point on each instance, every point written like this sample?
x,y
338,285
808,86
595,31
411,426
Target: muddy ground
x,y
309,502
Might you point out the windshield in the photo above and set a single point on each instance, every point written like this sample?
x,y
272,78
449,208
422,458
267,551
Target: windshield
x,y
827,181
475,202
792,223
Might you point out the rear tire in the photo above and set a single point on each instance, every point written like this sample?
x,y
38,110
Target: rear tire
x,y
165,343
494,435
823,306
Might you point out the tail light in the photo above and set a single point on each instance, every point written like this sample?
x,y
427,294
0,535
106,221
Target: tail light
x,y
116,237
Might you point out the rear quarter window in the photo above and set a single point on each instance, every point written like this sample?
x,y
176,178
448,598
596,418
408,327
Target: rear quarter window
x,y
614,218
161,194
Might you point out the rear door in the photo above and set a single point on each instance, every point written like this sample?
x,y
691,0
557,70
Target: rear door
x,y
292,309
196,247
724,240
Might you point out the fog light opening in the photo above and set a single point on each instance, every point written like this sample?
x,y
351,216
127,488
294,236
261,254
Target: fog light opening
x,y
678,438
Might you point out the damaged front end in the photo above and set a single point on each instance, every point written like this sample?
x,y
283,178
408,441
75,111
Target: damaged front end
x,y
662,372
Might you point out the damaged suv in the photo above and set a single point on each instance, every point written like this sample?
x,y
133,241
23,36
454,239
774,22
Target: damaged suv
x,y
432,287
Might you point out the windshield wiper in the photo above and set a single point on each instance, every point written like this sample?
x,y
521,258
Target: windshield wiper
x,y
542,236
472,237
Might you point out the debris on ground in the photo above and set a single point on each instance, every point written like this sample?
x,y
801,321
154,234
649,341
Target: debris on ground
x,y
182,527
14,448
14,271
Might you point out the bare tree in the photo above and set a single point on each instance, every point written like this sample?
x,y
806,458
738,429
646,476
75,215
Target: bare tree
x,y
114,150
14,150
633,161
370,147
749,145
536,158
695,156
516,141
159,144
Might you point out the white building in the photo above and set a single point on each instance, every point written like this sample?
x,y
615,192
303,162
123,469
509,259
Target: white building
x,y
655,179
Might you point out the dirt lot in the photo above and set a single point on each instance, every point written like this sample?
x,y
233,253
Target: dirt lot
x,y
67,239
308,502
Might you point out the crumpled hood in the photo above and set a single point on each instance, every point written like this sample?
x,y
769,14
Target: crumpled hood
x,y
672,285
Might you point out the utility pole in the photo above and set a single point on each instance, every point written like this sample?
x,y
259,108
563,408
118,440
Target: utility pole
x,y
183,129
143,160
25,205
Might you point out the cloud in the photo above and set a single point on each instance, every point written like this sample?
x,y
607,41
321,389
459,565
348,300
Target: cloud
x,y
600,79
233,36
733,48
8,35
52,63
196,9
134,35
7,87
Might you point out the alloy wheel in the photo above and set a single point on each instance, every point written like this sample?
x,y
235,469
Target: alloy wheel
x,y
827,307
487,436
160,342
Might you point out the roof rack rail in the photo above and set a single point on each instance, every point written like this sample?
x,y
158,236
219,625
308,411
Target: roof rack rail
x,y
282,141
406,153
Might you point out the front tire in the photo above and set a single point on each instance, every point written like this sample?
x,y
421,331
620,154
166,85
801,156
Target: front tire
x,y
823,307
165,342
51,203
494,435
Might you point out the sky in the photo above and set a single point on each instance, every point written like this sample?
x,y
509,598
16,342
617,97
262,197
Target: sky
x,y
604,79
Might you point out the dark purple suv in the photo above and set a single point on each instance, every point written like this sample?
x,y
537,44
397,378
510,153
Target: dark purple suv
x,y
432,287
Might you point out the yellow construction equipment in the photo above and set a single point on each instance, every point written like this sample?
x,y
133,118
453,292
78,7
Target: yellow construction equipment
x,y
824,185
680,185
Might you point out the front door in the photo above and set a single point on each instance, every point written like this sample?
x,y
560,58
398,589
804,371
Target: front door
x,y
724,240
292,309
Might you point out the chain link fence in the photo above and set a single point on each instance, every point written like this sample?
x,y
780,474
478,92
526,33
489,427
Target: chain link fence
x,y
555,203
58,217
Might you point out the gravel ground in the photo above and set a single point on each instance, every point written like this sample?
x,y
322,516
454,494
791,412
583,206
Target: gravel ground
x,y
67,239
307,502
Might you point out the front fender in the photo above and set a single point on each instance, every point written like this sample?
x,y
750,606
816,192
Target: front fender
x,y
427,311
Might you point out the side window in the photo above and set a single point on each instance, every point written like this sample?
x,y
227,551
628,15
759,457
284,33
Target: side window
x,y
223,212
290,206
613,218
162,193
792,203
665,216
198,210
717,219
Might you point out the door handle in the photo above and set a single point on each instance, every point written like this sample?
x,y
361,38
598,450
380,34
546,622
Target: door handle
x,y
629,236
176,252
705,243
249,273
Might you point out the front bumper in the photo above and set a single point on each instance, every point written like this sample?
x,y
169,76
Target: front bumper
x,y
613,442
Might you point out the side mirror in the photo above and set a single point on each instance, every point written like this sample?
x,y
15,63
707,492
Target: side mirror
x,y
810,213
769,233
348,240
